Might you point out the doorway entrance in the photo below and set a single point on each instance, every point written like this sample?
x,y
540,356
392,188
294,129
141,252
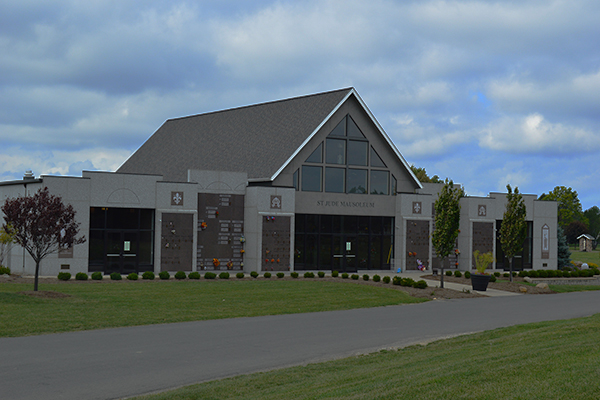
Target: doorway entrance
x,y
121,252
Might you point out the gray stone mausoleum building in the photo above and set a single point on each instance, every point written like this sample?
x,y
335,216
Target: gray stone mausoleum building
x,y
308,183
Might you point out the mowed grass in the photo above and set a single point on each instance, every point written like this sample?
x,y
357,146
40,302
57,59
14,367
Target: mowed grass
x,y
550,360
586,256
115,304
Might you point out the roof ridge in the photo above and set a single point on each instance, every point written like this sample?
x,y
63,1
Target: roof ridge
x,y
260,104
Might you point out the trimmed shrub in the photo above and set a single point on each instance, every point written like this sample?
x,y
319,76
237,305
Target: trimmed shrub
x,y
334,274
386,279
254,274
294,275
522,274
448,273
148,275
240,275
514,273
4,270
309,275
543,274
467,275
180,275
164,275
365,277
210,275
321,274
97,276
354,277
81,276
224,275
344,276
492,278
506,275
574,274
397,280
64,276
407,282
420,284
534,274
194,275
497,274
132,276
551,273
376,278
457,274
267,275
280,275
115,276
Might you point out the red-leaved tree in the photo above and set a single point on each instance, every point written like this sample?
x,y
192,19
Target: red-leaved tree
x,y
42,225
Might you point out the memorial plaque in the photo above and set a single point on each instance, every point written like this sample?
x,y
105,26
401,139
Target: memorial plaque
x,y
177,241
220,228
276,250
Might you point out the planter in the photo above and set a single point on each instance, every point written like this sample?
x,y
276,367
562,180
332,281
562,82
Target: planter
x,y
480,282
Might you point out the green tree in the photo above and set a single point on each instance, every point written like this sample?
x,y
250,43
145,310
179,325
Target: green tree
x,y
422,176
7,238
447,222
574,230
514,226
569,206
593,216
563,252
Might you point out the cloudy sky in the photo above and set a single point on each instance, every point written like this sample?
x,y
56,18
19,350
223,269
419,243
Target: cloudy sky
x,y
486,93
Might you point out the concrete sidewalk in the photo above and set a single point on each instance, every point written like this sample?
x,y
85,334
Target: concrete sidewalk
x,y
460,287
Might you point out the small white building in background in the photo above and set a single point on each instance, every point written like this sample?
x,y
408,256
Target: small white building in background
x,y
307,183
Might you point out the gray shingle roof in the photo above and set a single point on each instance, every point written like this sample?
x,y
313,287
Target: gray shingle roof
x,y
256,139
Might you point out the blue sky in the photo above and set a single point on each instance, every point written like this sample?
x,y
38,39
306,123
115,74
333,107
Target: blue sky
x,y
486,93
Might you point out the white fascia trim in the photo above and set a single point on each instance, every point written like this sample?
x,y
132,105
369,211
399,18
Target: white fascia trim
x,y
388,139
285,164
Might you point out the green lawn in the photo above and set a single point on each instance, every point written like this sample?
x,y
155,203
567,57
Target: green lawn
x,y
96,305
586,256
550,360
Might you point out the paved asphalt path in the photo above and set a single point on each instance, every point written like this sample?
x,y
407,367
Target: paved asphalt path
x,y
116,363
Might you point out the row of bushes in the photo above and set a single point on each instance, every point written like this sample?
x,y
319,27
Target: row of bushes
x,y
148,275
566,273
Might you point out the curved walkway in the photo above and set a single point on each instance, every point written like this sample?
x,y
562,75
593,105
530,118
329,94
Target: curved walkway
x,y
116,363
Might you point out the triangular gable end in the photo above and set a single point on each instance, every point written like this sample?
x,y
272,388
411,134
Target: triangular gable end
x,y
352,92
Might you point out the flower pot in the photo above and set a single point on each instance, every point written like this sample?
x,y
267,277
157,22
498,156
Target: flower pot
x,y
480,282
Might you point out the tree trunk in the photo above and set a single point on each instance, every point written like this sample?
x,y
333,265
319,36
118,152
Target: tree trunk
x,y
442,274
511,267
37,273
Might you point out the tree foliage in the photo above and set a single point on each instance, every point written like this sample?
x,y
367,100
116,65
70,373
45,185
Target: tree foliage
x,y
569,206
593,216
422,176
42,225
574,230
563,252
7,238
513,230
447,220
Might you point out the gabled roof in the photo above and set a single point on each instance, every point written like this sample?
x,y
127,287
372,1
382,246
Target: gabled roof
x,y
256,139
585,235
260,139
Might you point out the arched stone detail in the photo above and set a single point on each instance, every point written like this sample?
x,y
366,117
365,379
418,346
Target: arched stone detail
x,y
123,196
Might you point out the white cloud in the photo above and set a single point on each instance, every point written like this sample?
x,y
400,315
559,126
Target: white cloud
x,y
534,134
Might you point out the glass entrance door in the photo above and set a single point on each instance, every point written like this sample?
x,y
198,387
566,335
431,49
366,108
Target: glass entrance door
x,y
121,252
344,254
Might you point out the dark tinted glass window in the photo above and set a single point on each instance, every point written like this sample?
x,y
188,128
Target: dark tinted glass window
x,y
146,219
122,218
335,152
145,252
380,182
357,152
317,155
300,218
350,224
97,218
311,178
334,180
96,247
340,129
376,160
353,130
356,181
326,223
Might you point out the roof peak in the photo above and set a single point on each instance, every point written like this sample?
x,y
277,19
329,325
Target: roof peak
x,y
347,89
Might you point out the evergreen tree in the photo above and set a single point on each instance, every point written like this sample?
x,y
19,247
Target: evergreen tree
x,y
564,254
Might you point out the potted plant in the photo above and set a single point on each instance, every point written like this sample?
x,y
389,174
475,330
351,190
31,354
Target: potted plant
x,y
480,279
